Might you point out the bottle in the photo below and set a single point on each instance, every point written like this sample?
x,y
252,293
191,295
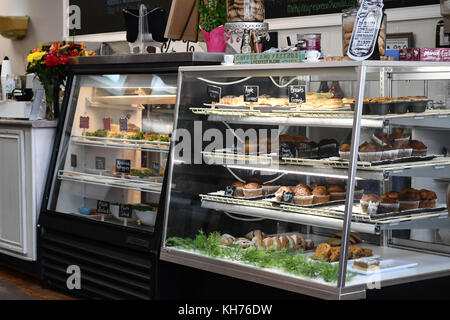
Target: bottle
x,y
324,87
336,90
5,75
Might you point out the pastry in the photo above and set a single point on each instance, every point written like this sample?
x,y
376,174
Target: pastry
x,y
323,251
297,242
381,138
409,199
270,188
335,254
344,151
399,133
242,242
255,233
403,147
284,241
371,200
389,202
354,238
369,152
279,193
239,188
366,264
303,195
272,243
328,148
226,240
309,244
334,242
258,243
355,252
336,193
419,148
389,152
427,199
252,190
321,195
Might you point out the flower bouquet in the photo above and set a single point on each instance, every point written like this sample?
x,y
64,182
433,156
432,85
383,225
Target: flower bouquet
x,y
51,66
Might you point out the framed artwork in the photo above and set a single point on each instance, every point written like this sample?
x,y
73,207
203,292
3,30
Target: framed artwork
x,y
397,41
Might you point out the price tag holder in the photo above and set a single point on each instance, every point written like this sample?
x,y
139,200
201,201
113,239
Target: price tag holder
x,y
84,122
100,163
125,211
297,94
107,124
103,207
251,94
156,168
214,93
73,160
123,124
123,166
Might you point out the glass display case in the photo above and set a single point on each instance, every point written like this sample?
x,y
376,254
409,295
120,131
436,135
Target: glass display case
x,y
327,194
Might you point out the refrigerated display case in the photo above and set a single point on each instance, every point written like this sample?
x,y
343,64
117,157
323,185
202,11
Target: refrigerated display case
x,y
272,182
100,211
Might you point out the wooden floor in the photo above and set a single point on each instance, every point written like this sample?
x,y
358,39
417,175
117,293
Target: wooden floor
x,y
16,286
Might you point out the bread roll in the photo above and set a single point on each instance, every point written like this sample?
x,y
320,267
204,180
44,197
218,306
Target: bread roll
x,y
258,243
226,239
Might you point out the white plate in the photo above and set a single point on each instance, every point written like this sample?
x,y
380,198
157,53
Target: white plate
x,y
386,266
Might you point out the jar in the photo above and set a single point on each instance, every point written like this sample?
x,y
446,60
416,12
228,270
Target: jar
x,y
311,41
245,10
348,22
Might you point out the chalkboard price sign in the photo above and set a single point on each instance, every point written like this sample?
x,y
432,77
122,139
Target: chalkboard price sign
x,y
100,163
103,207
125,211
251,93
123,166
214,93
123,124
297,94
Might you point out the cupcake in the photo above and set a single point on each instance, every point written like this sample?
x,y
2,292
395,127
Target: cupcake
x,y
381,138
427,199
344,151
303,195
370,152
253,189
270,188
369,203
321,195
389,202
389,152
336,193
281,191
419,148
404,149
409,199
239,188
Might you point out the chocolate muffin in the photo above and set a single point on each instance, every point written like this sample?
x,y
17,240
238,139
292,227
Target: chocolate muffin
x,y
404,149
427,199
336,193
419,148
239,188
389,202
280,191
344,151
409,199
303,195
367,200
399,134
302,190
381,138
369,152
389,152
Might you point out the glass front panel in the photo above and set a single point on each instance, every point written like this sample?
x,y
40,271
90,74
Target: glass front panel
x,y
114,150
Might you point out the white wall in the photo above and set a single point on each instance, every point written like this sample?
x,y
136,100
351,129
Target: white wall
x,y
46,24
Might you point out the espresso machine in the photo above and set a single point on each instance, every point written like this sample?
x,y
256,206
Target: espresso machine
x,y
443,26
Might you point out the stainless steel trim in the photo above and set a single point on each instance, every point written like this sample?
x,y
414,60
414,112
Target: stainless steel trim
x,y
420,246
254,274
353,165
150,58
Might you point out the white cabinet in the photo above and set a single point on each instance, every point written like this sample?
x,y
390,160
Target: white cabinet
x,y
25,150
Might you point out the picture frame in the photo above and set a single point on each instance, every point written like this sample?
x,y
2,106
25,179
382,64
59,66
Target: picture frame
x,y
397,41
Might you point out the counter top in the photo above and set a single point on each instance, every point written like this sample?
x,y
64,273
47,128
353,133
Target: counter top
x,y
28,123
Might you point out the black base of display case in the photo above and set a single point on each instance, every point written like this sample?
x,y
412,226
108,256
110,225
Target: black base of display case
x,y
176,282
114,263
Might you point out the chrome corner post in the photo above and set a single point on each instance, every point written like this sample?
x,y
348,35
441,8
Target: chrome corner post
x,y
351,183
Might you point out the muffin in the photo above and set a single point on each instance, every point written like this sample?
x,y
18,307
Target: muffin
x,y
409,199
381,138
303,195
321,195
336,193
280,191
270,188
389,202
389,152
359,193
419,148
427,199
344,151
253,189
399,134
239,188
404,149
369,203
370,152
328,148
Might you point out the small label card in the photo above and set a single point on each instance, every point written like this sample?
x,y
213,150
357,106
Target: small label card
x,y
107,124
297,94
251,93
125,211
156,168
84,122
100,163
73,160
123,166
214,93
123,124
103,207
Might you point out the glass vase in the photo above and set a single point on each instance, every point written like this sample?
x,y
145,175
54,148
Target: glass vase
x,y
52,101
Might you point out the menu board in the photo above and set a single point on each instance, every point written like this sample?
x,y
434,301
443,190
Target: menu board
x,y
106,15
295,8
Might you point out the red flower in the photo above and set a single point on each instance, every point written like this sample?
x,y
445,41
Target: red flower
x,y
51,60
64,59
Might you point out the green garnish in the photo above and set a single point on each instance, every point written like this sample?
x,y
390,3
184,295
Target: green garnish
x,y
99,133
286,260
138,136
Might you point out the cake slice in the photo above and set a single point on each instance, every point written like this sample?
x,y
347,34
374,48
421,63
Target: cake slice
x,y
366,264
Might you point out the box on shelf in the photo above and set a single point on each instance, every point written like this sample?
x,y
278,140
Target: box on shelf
x,y
409,54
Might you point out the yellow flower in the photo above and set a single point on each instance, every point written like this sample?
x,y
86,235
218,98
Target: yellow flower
x,y
34,57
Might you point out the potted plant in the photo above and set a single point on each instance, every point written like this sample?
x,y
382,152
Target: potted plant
x,y
51,67
213,16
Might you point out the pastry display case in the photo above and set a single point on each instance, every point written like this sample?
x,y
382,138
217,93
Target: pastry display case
x,y
101,206
323,194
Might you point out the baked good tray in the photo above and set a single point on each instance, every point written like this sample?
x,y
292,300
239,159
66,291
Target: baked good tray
x,y
222,194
